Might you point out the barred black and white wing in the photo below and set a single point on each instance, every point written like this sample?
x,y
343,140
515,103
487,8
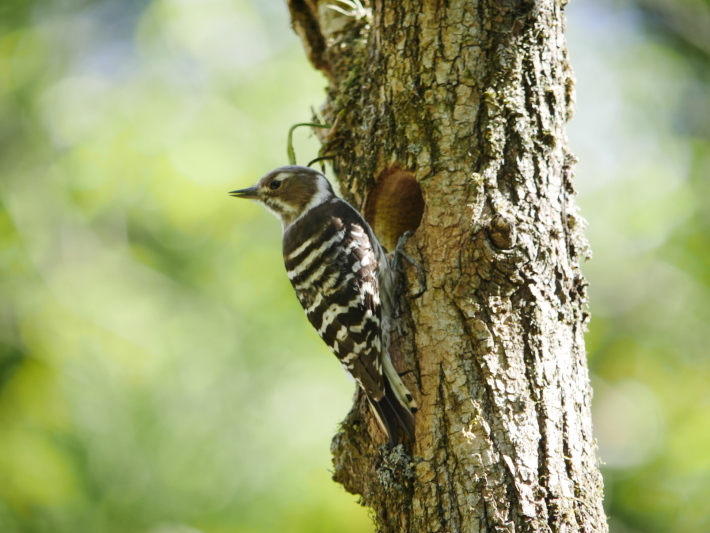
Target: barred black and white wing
x,y
335,265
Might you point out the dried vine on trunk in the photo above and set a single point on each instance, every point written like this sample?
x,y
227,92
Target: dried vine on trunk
x,y
449,117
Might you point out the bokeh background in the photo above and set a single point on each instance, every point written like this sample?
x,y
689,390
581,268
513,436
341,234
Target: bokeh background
x,y
157,374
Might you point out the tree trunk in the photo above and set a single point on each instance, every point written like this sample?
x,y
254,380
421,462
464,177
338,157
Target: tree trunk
x,y
449,115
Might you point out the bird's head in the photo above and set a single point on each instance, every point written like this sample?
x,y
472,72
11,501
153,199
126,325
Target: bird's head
x,y
289,192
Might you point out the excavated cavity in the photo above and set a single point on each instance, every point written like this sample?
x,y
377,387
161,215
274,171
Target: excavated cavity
x,y
394,206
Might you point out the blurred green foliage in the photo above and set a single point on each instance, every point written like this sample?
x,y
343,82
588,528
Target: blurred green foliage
x,y
156,372
642,134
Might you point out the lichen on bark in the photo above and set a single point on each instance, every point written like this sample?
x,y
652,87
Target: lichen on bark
x,y
470,98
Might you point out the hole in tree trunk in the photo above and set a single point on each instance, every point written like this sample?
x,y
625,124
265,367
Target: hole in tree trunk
x,y
394,206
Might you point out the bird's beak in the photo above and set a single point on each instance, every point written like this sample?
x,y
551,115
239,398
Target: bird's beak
x,y
252,193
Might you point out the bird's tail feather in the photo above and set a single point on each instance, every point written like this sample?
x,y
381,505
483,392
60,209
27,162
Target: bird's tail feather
x,y
398,386
393,415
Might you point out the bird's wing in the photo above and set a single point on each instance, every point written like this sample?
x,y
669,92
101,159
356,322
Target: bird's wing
x,y
348,311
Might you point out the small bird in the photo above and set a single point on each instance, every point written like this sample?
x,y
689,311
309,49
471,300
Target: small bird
x,y
344,282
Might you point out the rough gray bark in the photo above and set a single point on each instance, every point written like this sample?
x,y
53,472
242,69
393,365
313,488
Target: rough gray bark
x,y
465,103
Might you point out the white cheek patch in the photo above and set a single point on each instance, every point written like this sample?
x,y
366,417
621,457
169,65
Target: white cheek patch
x,y
322,195
277,207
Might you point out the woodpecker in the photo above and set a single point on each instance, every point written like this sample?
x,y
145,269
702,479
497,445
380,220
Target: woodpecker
x,y
343,280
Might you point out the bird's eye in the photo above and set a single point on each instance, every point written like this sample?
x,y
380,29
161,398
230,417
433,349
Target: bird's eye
x,y
274,185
